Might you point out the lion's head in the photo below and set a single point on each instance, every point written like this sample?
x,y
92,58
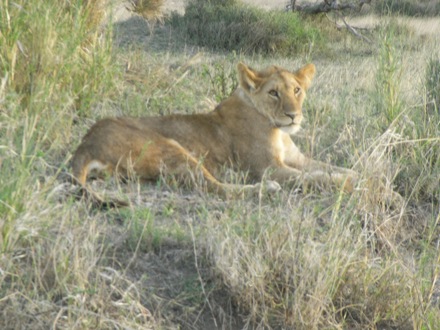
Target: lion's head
x,y
277,93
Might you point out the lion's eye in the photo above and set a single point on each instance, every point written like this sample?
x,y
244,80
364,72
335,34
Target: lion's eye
x,y
297,90
273,93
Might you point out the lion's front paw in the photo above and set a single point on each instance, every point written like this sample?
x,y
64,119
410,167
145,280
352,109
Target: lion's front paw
x,y
271,186
347,181
350,184
266,187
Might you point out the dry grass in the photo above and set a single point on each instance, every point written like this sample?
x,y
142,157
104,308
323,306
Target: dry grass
x,y
305,260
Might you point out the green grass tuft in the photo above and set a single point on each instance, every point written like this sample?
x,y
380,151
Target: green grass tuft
x,y
388,75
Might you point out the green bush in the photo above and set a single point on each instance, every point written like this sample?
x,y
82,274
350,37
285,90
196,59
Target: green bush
x,y
232,26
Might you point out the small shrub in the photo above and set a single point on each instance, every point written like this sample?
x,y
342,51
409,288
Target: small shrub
x,y
233,26
223,79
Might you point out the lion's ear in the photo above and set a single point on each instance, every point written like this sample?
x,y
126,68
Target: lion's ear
x,y
247,77
305,75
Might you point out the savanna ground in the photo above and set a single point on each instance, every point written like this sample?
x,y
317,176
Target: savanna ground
x,y
179,259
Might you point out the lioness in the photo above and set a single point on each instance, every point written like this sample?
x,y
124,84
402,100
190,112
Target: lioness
x,y
249,131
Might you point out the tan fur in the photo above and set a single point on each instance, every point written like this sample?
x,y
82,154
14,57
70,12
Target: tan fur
x,y
249,131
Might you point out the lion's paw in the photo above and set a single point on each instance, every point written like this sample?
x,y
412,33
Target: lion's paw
x,y
272,186
267,186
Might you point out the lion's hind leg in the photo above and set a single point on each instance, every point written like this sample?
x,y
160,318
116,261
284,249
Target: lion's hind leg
x,y
167,158
82,164
173,160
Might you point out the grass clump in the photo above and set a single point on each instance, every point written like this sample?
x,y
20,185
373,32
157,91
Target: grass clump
x,y
387,93
317,265
51,49
420,155
416,127
232,26
433,84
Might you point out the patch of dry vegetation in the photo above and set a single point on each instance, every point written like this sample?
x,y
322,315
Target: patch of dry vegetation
x,y
299,259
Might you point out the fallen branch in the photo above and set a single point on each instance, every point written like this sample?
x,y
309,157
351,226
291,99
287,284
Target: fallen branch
x,y
327,6
352,29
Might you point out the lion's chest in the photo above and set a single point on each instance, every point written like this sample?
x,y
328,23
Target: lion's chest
x,y
278,147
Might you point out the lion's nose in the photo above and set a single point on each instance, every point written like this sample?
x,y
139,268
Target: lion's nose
x,y
291,115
